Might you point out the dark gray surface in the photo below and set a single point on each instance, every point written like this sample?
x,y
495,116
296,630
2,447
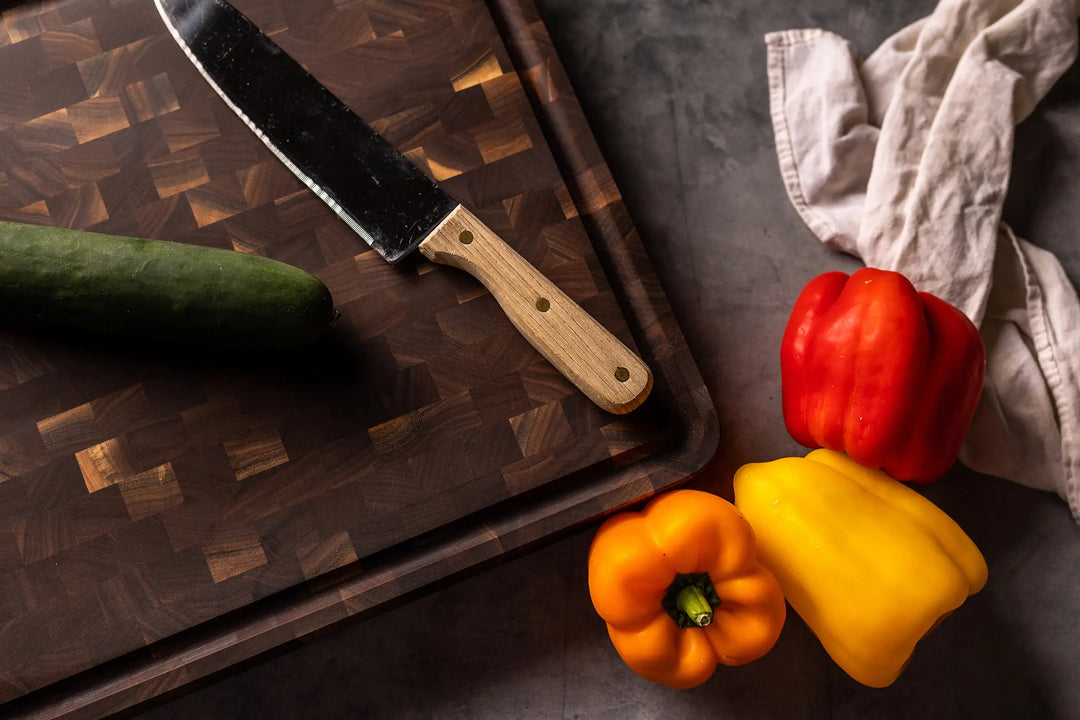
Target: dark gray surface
x,y
677,96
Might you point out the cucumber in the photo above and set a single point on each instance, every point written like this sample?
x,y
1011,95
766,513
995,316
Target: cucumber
x,y
157,289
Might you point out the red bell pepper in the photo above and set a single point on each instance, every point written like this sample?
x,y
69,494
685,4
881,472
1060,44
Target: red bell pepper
x,y
886,374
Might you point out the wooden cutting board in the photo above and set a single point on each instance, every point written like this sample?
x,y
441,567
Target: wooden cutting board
x,y
167,511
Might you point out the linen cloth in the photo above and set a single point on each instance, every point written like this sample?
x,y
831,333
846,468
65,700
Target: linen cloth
x,y
903,160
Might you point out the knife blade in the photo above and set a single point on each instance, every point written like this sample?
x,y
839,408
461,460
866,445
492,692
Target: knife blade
x,y
388,201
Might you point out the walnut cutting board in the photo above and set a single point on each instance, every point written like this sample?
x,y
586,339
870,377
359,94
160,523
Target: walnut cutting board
x,y
167,511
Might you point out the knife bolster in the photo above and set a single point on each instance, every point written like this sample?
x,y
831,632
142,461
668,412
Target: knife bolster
x,y
582,349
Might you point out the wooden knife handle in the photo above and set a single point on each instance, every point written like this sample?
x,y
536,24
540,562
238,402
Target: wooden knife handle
x,y
582,349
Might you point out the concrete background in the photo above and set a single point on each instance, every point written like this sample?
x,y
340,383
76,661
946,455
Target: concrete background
x,y
676,94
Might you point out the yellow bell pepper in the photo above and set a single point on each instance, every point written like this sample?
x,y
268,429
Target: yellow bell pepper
x,y
869,564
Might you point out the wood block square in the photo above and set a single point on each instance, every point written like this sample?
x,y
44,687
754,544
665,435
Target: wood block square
x,y
410,389
47,134
22,59
532,211
330,554
541,429
317,22
89,162
70,44
127,190
302,210
107,73
177,172
57,88
501,398
439,469
574,278
97,117
459,371
192,124
417,342
255,451
29,176
20,364
90,517
126,22
20,451
123,410
48,533
506,351
449,156
106,464
482,69
374,272
409,434
267,181
215,418
490,449
78,208
149,492
19,24
70,428
233,552
565,242
166,218
150,98
215,201
504,94
501,138
407,129
473,321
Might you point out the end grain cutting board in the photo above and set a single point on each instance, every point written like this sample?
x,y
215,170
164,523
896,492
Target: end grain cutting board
x,y
166,512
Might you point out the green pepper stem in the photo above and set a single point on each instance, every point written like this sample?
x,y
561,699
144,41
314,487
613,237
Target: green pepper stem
x,y
691,600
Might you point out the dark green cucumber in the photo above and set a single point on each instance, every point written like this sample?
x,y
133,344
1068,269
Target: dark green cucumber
x,y
158,289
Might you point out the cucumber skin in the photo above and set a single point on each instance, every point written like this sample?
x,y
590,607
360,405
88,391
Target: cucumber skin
x,y
158,289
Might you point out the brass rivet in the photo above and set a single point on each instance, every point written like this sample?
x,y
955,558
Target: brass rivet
x,y
465,237
543,305
622,374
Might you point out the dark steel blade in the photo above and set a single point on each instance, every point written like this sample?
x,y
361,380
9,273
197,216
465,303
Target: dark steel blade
x,y
386,199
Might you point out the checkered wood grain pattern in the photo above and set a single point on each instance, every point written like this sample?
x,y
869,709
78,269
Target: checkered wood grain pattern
x,y
148,492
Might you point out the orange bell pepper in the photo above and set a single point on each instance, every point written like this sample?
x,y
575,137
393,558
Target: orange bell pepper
x,y
681,589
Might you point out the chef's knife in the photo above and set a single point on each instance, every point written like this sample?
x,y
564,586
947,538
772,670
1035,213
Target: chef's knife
x,y
387,200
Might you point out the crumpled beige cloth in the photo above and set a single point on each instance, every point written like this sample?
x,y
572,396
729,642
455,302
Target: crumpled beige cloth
x,y
903,161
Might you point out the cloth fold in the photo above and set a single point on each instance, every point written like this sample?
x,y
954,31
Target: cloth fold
x,y
903,160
